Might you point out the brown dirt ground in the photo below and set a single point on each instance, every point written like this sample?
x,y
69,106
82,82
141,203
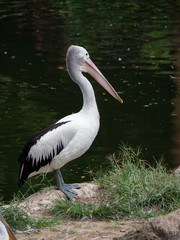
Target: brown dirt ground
x,y
37,204
78,230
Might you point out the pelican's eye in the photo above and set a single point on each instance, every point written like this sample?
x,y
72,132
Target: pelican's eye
x,y
87,54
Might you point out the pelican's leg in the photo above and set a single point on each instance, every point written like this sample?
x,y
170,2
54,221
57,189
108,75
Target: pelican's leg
x,y
67,189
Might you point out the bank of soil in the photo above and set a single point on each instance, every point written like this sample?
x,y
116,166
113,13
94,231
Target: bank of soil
x,y
81,230
38,204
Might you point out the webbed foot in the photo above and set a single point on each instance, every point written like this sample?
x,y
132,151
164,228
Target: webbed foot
x,y
67,189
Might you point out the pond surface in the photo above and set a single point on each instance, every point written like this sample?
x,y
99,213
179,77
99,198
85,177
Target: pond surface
x,y
136,46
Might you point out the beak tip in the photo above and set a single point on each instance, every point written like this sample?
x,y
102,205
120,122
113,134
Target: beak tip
x,y
120,100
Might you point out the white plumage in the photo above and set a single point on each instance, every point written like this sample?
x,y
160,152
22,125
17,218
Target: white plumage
x,y
5,231
75,136
69,138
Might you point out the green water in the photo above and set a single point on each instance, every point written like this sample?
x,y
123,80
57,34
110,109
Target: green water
x,y
136,46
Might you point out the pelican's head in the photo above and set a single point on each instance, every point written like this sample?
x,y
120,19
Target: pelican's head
x,y
76,55
78,60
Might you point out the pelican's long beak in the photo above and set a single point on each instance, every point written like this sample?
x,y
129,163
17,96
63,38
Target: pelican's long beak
x,y
89,67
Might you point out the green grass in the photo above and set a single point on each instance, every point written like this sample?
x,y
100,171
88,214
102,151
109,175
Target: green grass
x,y
131,187
36,183
16,217
19,219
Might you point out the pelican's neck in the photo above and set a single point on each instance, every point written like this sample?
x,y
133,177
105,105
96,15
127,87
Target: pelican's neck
x,y
89,100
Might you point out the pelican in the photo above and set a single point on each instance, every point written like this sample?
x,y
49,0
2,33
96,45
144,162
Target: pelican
x,y
70,137
5,231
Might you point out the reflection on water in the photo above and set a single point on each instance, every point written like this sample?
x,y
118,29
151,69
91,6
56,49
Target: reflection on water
x,y
134,44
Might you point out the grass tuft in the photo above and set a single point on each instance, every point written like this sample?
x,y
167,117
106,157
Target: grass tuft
x,y
138,188
19,219
131,187
79,210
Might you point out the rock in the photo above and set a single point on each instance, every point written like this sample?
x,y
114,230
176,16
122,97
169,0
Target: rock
x,y
45,198
88,192
41,200
159,228
177,171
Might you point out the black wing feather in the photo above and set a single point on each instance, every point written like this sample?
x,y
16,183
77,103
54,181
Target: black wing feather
x,y
26,166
